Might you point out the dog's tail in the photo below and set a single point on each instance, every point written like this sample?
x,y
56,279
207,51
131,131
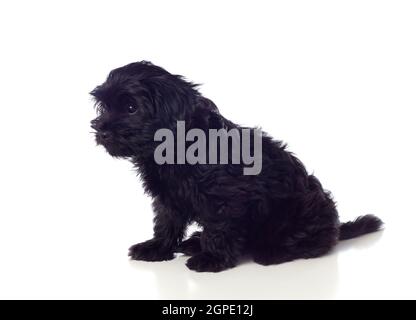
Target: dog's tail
x,y
358,227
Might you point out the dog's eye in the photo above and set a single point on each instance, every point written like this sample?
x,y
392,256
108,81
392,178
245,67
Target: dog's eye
x,y
131,108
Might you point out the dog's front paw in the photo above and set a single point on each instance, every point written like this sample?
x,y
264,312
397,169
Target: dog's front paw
x,y
151,250
191,246
206,262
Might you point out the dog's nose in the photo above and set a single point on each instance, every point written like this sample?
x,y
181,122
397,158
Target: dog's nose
x,y
104,135
94,125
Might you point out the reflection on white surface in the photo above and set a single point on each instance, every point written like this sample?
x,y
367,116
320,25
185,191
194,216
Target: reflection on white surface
x,y
301,279
82,268
318,279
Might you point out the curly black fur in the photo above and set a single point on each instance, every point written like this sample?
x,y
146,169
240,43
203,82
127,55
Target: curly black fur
x,y
280,215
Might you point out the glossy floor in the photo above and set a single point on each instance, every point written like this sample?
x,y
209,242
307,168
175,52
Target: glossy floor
x,y
368,267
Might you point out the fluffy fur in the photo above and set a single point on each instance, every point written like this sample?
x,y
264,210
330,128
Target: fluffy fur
x,y
280,215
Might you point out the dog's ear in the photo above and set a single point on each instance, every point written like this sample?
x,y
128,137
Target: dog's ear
x,y
206,115
207,104
172,97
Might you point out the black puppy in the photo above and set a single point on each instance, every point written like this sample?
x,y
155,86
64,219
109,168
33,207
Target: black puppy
x,y
279,215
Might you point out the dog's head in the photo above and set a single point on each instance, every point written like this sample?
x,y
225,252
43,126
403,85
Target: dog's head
x,y
134,102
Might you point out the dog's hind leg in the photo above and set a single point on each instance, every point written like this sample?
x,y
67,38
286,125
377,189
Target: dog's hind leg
x,y
315,233
292,249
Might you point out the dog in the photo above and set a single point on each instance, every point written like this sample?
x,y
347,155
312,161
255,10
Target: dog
x,y
279,215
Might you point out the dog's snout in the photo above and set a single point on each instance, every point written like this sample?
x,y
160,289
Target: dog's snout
x,y
101,132
104,135
94,125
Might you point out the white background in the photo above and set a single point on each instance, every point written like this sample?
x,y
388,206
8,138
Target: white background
x,y
334,79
